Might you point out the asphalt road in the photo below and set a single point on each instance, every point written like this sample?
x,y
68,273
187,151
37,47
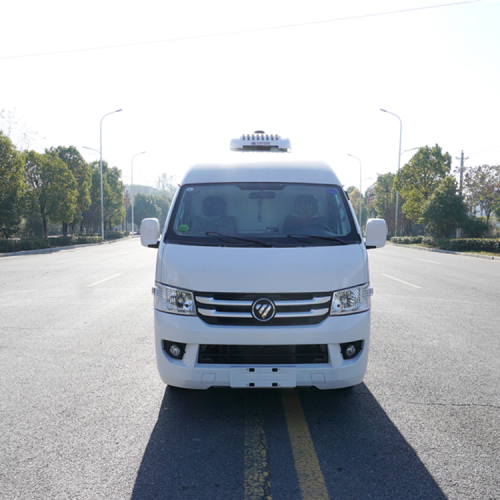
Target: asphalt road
x,y
84,415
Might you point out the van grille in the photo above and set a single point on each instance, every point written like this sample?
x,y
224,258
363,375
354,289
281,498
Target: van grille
x,y
262,355
236,309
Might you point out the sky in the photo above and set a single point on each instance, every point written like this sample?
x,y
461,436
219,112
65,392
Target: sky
x,y
189,76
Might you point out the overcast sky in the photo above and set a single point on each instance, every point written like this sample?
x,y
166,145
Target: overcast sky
x,y
190,75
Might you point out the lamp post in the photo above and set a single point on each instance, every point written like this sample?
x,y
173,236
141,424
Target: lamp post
x,y
132,187
100,168
399,162
359,187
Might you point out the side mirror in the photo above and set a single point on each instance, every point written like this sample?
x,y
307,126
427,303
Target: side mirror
x,y
150,230
376,233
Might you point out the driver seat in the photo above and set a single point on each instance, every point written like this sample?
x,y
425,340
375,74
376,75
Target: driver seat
x,y
305,213
214,217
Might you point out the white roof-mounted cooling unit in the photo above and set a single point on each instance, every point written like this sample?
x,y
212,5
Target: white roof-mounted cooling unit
x,y
260,141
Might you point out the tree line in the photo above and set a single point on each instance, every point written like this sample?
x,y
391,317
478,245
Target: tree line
x,y
430,199
58,187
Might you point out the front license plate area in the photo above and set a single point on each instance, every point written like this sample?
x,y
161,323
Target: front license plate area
x,y
263,376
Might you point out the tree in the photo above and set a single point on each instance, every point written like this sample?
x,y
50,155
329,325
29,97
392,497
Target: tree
x,y
482,189
385,204
445,210
52,189
418,179
82,174
354,199
16,130
113,191
163,203
166,183
145,206
91,217
474,227
114,209
12,187
385,200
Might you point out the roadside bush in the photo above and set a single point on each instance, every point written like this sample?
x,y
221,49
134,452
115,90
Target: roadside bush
x,y
6,245
412,240
86,240
115,235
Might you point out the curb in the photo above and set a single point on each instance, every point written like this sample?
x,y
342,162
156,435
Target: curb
x,y
477,256
58,249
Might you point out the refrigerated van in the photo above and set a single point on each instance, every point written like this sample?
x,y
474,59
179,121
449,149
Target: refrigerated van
x,y
262,274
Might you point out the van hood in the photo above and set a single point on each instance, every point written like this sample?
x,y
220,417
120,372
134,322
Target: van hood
x,y
262,270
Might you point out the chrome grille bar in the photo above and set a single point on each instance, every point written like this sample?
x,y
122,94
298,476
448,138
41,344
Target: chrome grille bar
x,y
218,314
314,301
303,314
214,302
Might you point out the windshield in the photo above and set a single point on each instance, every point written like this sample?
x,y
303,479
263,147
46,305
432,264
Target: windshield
x,y
264,215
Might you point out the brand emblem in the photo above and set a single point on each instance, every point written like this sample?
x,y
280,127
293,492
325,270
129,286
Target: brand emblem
x,y
263,310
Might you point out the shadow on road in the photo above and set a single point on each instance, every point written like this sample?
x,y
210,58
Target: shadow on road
x,y
196,450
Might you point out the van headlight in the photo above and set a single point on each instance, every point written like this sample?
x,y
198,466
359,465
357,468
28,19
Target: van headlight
x,y
351,300
173,300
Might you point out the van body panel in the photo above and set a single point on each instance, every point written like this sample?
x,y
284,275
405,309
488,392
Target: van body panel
x,y
249,167
262,270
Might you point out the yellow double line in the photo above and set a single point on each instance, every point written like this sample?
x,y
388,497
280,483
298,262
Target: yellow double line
x,y
257,480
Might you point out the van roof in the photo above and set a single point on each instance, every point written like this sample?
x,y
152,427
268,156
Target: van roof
x,y
261,167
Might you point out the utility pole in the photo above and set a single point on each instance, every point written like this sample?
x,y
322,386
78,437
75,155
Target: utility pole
x,y
462,168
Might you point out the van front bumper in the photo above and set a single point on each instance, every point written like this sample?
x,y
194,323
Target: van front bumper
x,y
187,372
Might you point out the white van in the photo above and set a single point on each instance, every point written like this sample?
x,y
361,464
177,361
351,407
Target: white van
x,y
262,274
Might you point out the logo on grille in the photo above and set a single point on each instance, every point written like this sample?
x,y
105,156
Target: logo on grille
x,y
263,310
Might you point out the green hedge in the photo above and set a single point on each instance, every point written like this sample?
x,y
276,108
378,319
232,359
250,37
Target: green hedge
x,y
37,243
413,240
490,245
116,235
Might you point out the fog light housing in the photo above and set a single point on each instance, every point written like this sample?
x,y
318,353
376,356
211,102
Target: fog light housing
x,y
351,349
175,350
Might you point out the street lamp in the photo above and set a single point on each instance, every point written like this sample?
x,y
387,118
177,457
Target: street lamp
x,y
399,161
100,168
359,187
406,150
92,149
132,187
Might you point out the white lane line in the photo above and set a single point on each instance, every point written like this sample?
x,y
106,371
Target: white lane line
x,y
69,260
431,261
102,281
401,281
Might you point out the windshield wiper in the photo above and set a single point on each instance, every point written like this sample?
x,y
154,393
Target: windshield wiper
x,y
221,236
328,238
